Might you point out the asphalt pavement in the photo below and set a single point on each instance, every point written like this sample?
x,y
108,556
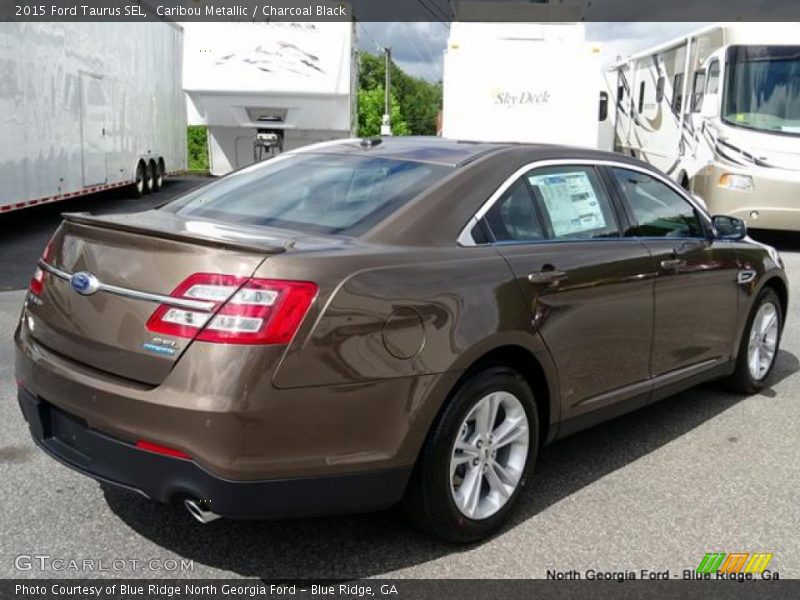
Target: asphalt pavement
x,y
656,489
24,233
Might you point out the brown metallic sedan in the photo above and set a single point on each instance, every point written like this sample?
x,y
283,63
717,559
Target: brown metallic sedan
x,y
368,321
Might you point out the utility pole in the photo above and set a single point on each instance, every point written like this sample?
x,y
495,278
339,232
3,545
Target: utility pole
x,y
386,122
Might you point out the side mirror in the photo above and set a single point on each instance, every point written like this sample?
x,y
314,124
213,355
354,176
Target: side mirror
x,y
729,228
710,107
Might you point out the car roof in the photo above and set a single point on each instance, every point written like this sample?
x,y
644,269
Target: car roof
x,y
433,150
449,152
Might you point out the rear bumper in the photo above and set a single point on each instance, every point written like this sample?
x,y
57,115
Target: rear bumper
x,y
69,440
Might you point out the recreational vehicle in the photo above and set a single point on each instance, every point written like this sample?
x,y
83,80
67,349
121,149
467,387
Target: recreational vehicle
x,y
88,107
265,87
719,111
525,82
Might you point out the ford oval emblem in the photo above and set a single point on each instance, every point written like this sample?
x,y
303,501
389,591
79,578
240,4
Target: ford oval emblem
x,y
84,283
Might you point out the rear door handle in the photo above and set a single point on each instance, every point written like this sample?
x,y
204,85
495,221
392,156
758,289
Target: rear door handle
x,y
673,263
546,277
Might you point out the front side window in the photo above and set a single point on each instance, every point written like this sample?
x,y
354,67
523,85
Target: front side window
x,y
762,88
658,210
313,193
573,202
513,217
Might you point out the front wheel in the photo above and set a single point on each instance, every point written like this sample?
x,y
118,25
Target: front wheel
x,y
759,346
476,458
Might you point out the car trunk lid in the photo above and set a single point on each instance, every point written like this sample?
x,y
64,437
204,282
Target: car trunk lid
x,y
138,260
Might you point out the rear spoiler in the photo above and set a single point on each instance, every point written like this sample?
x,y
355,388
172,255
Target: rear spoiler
x,y
268,246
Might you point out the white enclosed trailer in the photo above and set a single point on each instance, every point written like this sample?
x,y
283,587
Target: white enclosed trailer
x,y
262,88
719,111
525,82
86,107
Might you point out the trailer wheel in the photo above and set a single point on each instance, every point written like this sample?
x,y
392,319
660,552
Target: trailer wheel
x,y
149,178
138,188
162,168
158,176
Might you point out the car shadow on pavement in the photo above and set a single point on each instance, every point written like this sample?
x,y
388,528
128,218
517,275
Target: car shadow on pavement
x,y
360,546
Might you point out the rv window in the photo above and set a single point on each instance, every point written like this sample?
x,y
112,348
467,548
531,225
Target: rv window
x,y
697,90
603,107
660,89
620,93
677,92
712,84
641,97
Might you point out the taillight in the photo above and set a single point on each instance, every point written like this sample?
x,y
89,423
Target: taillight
x,y
37,281
245,311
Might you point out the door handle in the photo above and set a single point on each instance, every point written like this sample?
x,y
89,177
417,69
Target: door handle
x,y
549,276
673,263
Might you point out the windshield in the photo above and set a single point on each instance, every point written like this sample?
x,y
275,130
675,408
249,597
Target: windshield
x,y
762,88
312,193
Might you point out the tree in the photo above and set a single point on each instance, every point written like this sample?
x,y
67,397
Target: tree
x,y
419,100
371,104
197,145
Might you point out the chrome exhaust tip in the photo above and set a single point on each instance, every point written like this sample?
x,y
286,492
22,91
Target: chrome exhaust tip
x,y
198,512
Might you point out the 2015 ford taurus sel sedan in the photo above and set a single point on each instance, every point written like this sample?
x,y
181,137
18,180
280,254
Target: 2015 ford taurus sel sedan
x,y
363,322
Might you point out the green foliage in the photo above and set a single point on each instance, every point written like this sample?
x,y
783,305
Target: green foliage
x,y
418,100
197,142
371,104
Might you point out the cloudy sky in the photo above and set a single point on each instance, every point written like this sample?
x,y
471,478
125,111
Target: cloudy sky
x,y
417,47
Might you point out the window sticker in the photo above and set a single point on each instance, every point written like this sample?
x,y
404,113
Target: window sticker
x,y
571,202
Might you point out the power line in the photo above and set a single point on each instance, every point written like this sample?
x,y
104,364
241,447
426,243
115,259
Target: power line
x,y
378,46
440,17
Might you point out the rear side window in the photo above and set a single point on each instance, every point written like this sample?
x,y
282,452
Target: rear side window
x,y
574,202
314,193
641,97
658,210
513,216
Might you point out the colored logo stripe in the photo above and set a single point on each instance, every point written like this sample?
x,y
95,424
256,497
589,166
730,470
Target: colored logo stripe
x,y
758,562
714,562
711,562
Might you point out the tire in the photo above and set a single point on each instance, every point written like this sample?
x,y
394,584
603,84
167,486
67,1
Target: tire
x,y
749,378
437,499
158,176
149,178
138,189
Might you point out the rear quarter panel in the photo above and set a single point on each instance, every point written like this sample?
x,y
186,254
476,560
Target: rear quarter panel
x,y
428,311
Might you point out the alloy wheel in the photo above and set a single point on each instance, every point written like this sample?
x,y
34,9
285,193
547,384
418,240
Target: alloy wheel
x,y
489,455
763,341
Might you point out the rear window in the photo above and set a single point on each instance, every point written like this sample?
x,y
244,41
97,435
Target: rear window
x,y
313,193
